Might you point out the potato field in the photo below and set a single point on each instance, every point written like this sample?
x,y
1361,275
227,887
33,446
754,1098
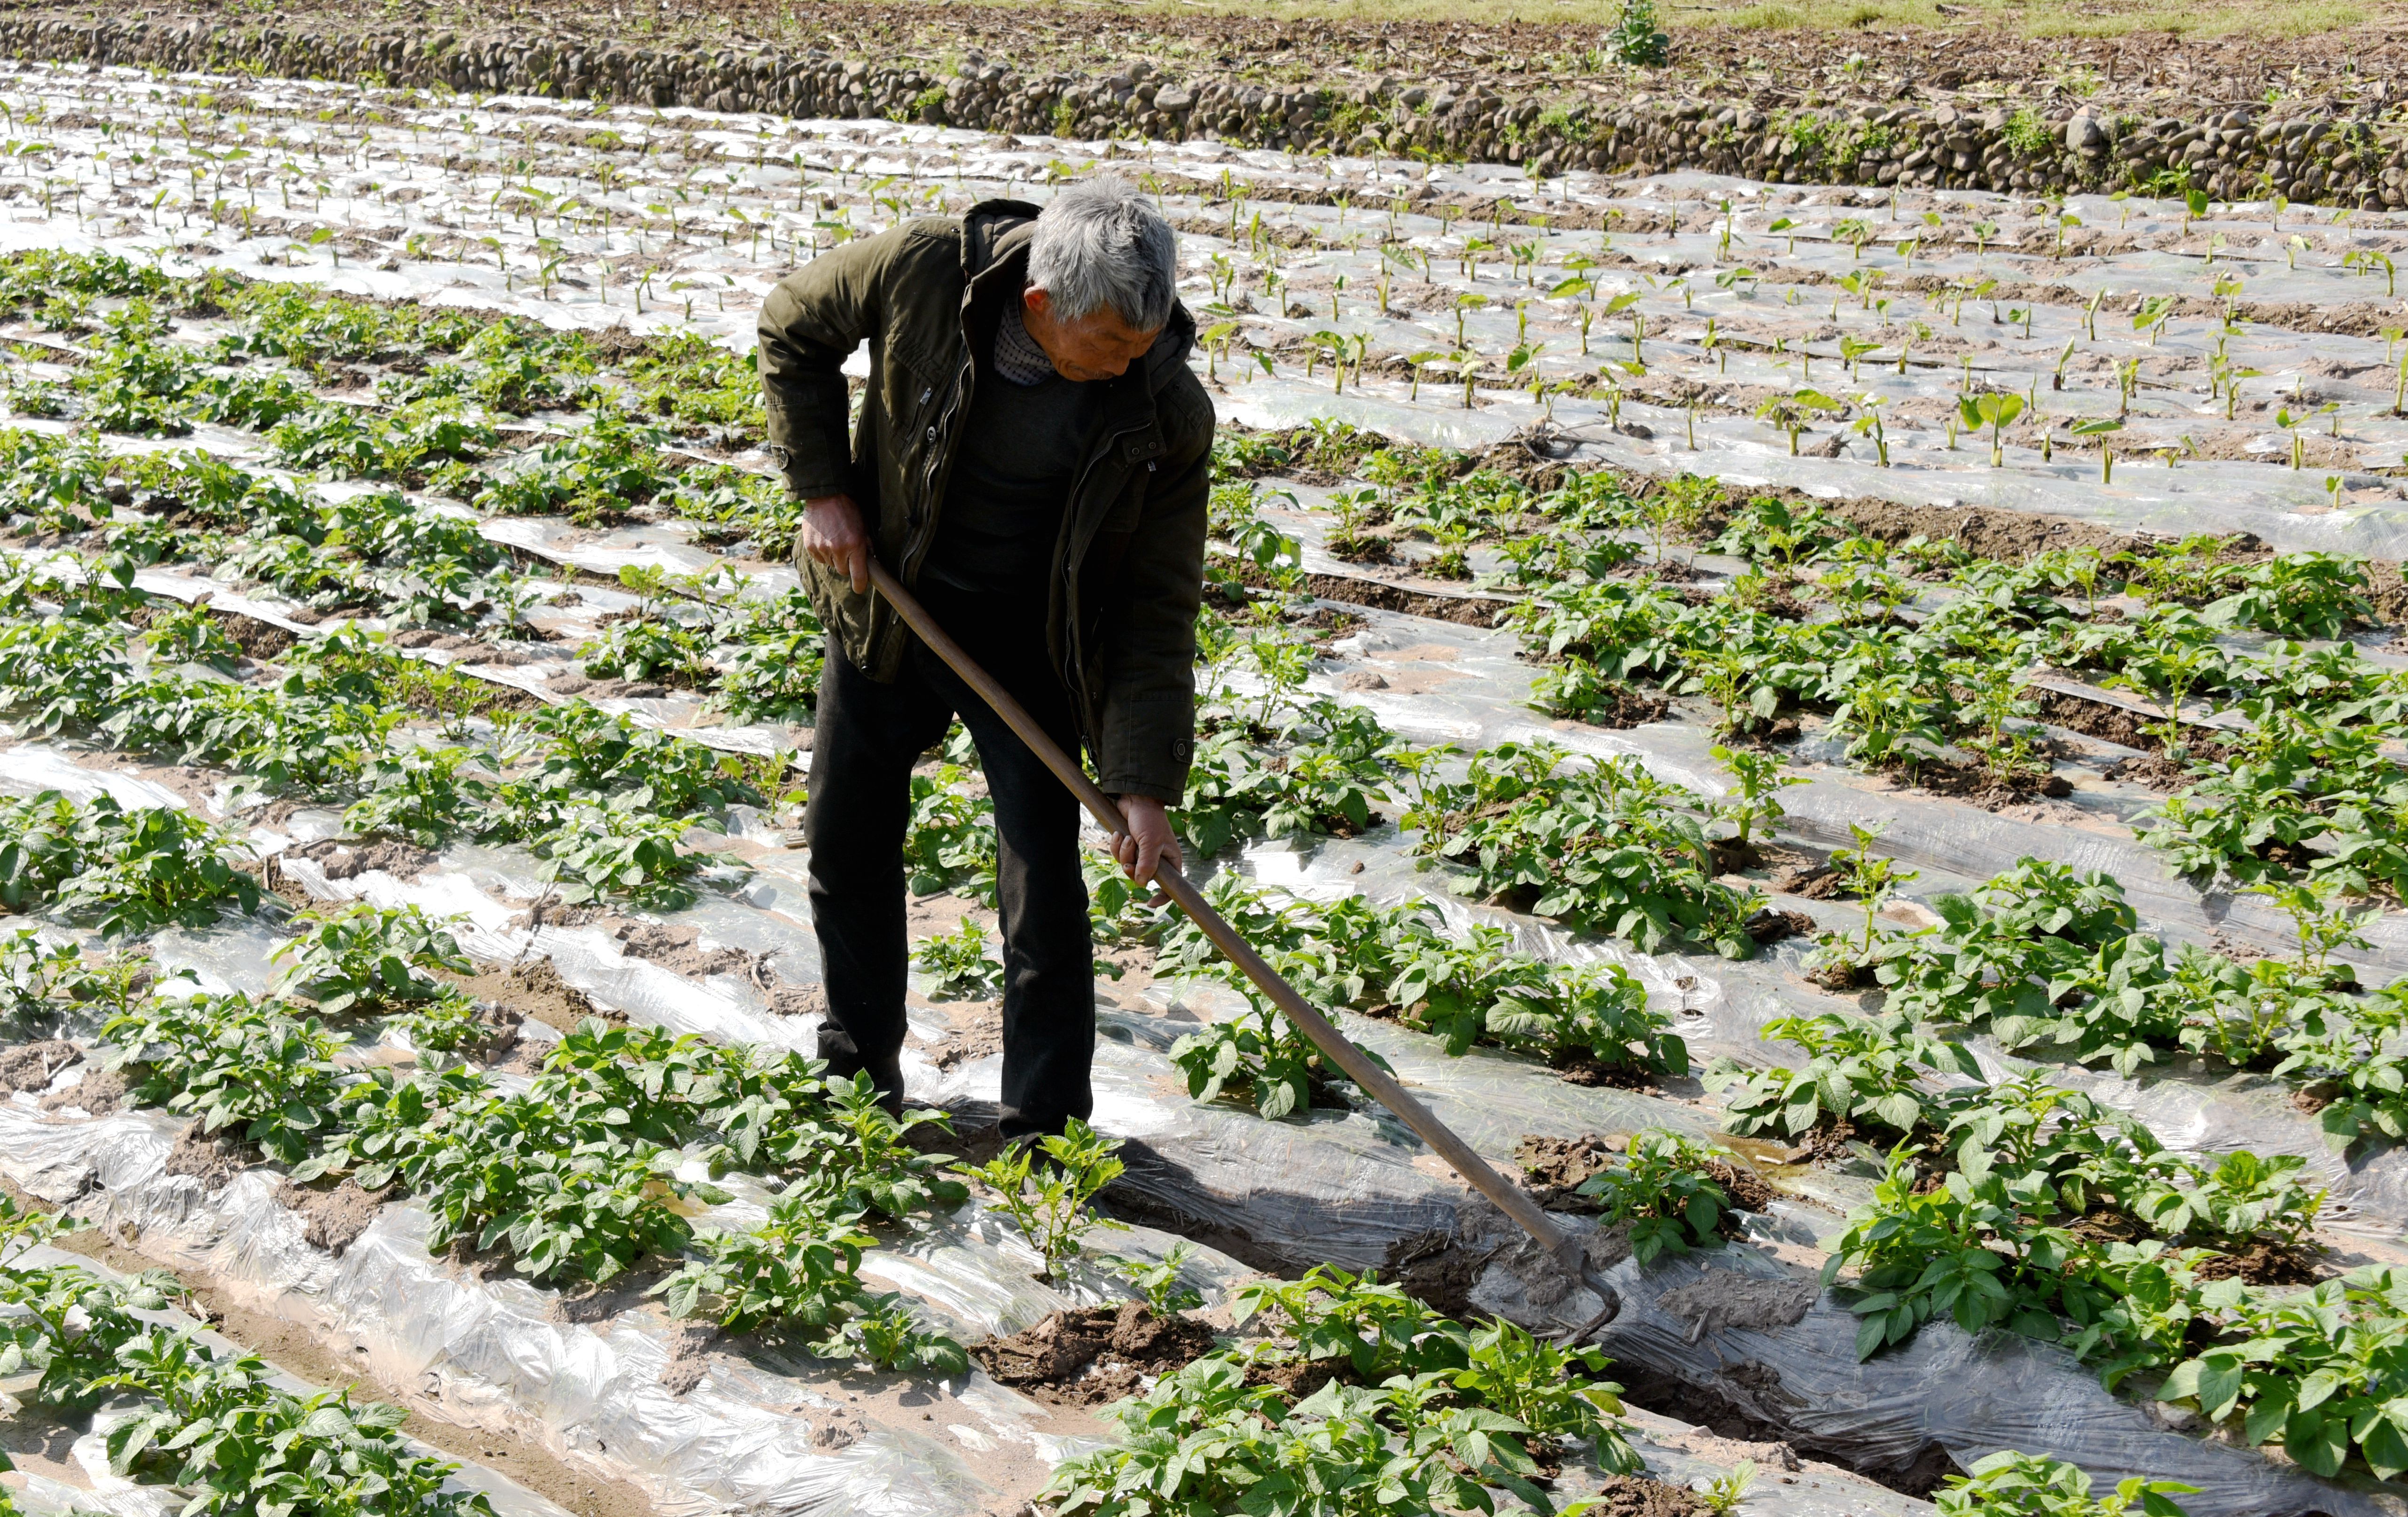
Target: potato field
x,y
1851,740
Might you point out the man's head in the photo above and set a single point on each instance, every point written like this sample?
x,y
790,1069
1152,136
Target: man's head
x,y
1103,273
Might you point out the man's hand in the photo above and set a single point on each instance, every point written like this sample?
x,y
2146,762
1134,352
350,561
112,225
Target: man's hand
x,y
1148,843
832,534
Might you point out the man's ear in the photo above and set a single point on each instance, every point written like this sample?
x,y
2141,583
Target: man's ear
x,y
1037,301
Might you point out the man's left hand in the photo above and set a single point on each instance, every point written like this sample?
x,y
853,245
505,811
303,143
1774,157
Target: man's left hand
x,y
1147,842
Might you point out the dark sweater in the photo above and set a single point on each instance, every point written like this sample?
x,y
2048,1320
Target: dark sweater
x,y
1020,450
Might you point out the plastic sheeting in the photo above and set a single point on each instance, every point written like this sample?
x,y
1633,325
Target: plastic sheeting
x,y
107,1491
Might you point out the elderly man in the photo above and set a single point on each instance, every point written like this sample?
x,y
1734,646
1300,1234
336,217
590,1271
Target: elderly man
x,y
1032,459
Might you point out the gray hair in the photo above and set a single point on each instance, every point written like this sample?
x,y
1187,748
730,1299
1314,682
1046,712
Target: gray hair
x,y
1100,242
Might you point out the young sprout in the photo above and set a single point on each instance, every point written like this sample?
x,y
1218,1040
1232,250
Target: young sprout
x,y
2098,427
1996,411
1870,423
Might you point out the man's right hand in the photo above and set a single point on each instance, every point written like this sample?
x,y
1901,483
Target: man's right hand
x,y
832,534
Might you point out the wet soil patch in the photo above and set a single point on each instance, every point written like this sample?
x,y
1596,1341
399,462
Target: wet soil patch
x,y
1463,610
1629,709
29,1067
1768,927
1976,785
333,1216
1091,1355
340,859
2266,1262
1814,881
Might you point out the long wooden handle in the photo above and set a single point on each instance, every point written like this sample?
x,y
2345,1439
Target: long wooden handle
x,y
1359,1068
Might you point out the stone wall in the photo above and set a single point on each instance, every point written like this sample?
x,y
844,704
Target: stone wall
x,y
2307,152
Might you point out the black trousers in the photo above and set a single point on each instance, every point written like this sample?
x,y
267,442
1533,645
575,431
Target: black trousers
x,y
864,742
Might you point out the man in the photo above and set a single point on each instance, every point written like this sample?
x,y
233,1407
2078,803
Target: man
x,y
1032,460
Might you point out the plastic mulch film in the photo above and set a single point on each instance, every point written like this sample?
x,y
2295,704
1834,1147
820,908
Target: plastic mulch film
x,y
1742,1331
97,1488
1353,1188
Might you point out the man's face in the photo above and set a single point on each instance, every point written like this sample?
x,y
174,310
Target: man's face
x,y
1098,346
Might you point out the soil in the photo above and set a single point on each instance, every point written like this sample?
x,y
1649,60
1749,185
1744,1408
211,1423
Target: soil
x,y
978,1033
212,1161
1976,785
348,861
1768,927
1814,881
1463,610
1580,1066
689,1345
1636,1495
29,1067
99,1092
533,990
262,640
1093,1356
799,1001
333,1216
1432,1268
677,949
1297,1379
1557,1165
2154,770
2010,537
2265,1262
1630,709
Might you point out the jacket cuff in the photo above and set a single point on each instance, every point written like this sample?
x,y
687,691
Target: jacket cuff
x,y
1150,790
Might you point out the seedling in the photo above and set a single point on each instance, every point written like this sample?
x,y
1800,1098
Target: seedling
x,y
1871,877
1044,1186
1158,1279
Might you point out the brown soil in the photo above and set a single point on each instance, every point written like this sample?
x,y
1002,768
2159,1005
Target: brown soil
x,y
1464,611
2263,1262
689,1345
29,1067
1630,709
1557,1165
2111,724
333,1217
532,988
100,1091
676,948
1581,1067
1297,1379
978,1033
212,1161
1095,1355
1770,926
1636,1495
1976,785
262,640
1814,881
348,861
799,1000
2154,770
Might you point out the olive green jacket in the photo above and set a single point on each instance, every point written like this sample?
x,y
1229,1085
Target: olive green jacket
x,y
1127,570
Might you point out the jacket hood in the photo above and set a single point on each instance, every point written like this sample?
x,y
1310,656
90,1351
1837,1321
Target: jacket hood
x,y
996,233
